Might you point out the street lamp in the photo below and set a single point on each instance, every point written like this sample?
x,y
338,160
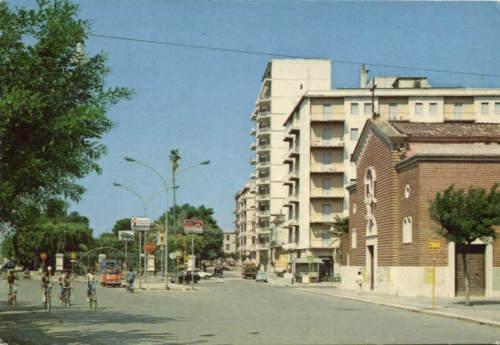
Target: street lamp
x,y
132,160
121,185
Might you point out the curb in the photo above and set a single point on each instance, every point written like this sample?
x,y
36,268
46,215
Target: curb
x,y
409,308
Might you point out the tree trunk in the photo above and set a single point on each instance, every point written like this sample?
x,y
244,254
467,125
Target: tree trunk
x,y
466,277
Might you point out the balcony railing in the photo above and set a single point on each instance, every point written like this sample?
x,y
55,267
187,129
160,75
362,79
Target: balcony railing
x,y
262,196
263,147
328,193
263,164
464,116
290,246
263,180
253,146
320,142
264,130
253,160
327,168
253,131
262,246
325,117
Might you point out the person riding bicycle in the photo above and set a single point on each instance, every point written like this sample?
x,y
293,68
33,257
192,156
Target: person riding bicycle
x,y
66,284
91,283
45,284
61,283
11,279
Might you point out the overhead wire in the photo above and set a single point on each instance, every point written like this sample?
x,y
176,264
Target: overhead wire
x,y
291,56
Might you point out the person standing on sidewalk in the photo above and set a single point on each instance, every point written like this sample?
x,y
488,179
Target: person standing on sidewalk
x,y
359,282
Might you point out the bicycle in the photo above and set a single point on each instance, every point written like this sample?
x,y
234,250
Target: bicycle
x,y
12,297
93,298
47,300
66,297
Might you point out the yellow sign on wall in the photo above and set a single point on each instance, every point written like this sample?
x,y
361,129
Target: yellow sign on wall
x,y
283,261
434,244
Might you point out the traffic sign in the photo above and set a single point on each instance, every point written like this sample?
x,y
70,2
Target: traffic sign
x,y
149,247
43,256
139,224
434,244
126,235
193,226
172,255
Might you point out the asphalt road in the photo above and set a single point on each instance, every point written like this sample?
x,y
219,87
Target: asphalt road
x,y
234,312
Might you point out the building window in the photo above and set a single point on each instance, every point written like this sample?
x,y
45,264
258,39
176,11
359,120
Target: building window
x,y
433,109
327,158
354,108
327,186
354,239
327,111
393,111
327,133
326,210
354,133
368,109
497,108
458,110
419,109
227,237
407,191
407,230
484,108
227,246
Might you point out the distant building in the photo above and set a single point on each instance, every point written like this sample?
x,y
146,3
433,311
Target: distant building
x,y
229,243
245,221
400,168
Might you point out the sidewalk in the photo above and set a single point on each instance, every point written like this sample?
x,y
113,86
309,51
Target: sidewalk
x,y
484,310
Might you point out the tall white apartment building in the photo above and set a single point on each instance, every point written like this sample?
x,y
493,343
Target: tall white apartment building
x,y
321,132
245,221
284,82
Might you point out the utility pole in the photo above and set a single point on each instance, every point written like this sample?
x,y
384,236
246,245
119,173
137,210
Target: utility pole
x,y
372,89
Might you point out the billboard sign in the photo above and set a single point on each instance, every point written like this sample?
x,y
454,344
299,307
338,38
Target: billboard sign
x,y
126,235
193,226
139,224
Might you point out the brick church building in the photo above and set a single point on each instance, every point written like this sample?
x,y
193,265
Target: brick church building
x,y
392,239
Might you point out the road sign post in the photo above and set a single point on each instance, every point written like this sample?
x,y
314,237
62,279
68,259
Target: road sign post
x,y
140,224
433,245
193,226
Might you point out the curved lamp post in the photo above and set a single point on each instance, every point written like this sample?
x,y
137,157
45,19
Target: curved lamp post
x,y
132,160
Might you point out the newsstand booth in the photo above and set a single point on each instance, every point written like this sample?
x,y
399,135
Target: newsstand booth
x,y
306,270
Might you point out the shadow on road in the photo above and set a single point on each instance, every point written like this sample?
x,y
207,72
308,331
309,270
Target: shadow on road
x,y
80,326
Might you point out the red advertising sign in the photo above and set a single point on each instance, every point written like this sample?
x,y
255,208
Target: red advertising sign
x,y
149,247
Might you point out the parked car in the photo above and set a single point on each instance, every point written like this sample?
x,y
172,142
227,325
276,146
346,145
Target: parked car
x,y
202,274
261,277
11,265
249,270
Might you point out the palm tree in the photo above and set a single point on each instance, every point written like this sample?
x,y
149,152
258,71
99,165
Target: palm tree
x,y
340,225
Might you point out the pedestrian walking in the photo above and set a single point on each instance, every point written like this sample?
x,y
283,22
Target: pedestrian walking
x,y
359,282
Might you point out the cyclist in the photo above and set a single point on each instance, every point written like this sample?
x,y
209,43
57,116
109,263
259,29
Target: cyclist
x,y
130,280
91,284
11,278
66,286
61,285
45,284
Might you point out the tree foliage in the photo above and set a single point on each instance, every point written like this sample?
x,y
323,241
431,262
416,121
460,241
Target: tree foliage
x,y
466,216
340,225
53,104
54,231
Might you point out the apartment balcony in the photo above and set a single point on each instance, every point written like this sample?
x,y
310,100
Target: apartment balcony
x,y
262,246
293,175
319,142
330,243
262,197
253,160
263,115
263,130
263,147
263,213
290,246
264,231
328,193
321,117
290,155
253,146
253,131
253,116
292,129
292,199
253,176
324,219
263,164
327,168
263,180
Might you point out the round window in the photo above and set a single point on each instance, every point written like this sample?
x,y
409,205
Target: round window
x,y
407,191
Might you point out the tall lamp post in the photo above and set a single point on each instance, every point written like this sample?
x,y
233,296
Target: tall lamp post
x,y
121,185
132,160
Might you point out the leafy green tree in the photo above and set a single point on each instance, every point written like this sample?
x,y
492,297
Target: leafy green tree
x,y
53,108
53,232
340,225
465,217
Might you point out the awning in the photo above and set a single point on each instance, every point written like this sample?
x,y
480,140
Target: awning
x,y
306,261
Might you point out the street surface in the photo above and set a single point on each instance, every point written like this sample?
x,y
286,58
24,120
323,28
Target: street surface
x,y
233,312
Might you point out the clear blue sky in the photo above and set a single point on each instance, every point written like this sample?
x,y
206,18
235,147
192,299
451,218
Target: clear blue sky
x,y
200,101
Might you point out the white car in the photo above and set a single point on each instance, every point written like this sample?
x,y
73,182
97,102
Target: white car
x,y
202,274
